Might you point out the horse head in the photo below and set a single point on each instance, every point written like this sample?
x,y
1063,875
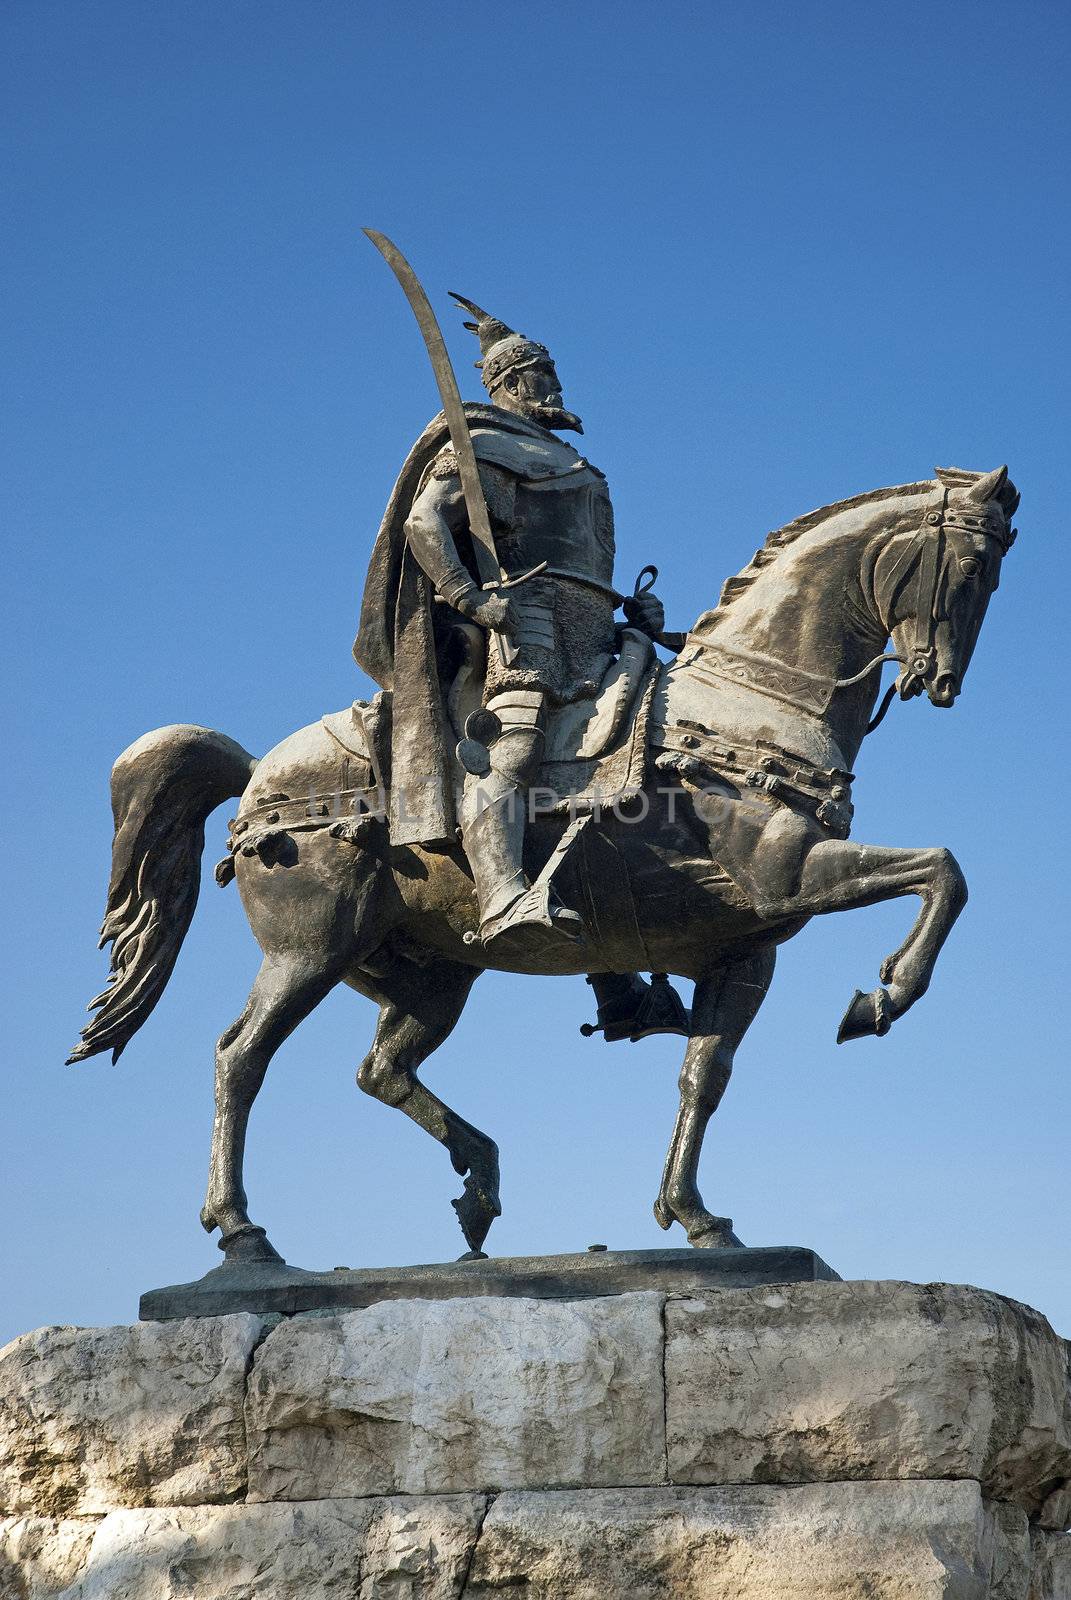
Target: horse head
x,y
932,588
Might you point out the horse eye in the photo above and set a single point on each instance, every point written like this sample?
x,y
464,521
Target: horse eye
x,y
971,566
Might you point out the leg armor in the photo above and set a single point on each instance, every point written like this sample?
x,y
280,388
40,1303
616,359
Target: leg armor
x,y
511,730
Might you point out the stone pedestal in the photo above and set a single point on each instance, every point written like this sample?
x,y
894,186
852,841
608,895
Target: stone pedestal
x,y
267,1286
816,1440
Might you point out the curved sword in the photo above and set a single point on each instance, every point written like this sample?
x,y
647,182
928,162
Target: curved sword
x,y
491,573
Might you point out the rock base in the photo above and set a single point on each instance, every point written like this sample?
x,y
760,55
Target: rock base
x,y
885,1541
807,1441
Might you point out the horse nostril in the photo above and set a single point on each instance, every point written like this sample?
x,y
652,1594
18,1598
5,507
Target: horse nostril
x,y
945,689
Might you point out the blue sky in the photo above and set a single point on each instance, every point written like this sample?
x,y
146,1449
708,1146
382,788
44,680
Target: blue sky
x,y
782,254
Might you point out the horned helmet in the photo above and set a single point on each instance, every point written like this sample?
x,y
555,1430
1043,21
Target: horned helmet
x,y
504,351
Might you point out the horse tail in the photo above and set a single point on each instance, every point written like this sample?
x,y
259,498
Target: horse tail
x,y
163,788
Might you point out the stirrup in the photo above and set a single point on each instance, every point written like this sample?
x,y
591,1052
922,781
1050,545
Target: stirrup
x,y
533,923
659,1009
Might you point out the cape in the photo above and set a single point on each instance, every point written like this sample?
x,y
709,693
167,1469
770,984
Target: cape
x,y
395,641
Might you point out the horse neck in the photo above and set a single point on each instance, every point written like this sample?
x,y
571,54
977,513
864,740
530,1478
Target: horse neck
x,y
810,607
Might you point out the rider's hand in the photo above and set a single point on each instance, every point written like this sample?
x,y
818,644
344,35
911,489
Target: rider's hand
x,y
646,612
492,611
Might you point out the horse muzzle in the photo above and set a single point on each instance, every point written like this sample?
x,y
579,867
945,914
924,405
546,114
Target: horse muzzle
x,y
943,689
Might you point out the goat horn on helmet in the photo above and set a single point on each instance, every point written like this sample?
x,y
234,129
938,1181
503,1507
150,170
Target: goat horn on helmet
x,y
488,329
502,348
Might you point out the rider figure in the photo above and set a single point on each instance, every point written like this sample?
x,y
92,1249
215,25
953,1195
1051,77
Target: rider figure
x,y
549,640
552,638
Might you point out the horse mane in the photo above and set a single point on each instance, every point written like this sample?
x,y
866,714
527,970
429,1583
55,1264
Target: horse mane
x,y
776,541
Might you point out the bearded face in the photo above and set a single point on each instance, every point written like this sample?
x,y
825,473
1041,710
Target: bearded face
x,y
535,393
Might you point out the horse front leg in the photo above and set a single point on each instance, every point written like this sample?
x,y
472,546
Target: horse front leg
x,y
725,1004
838,876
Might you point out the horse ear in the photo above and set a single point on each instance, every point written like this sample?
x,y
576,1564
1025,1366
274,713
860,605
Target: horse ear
x,y
989,485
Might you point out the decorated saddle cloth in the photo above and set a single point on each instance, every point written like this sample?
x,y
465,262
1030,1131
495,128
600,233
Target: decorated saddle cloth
x,y
596,749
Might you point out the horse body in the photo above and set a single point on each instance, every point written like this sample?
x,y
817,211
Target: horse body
x,y
427,897
786,664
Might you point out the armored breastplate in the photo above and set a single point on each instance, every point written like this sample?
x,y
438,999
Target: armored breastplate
x,y
567,521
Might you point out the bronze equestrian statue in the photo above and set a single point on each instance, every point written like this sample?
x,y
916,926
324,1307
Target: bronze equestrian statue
x,y
677,818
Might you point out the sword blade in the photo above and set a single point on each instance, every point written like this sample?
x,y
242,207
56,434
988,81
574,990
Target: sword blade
x,y
456,421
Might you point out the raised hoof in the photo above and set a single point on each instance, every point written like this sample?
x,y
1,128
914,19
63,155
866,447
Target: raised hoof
x,y
249,1243
869,1015
716,1234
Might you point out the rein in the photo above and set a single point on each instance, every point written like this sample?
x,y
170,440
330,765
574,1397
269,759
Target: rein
x,y
809,692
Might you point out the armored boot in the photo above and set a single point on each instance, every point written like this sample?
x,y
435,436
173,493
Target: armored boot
x,y
516,917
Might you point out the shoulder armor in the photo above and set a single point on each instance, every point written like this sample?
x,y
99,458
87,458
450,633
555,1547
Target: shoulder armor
x,y
525,455
444,465
499,487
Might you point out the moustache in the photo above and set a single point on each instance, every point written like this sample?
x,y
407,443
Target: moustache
x,y
556,417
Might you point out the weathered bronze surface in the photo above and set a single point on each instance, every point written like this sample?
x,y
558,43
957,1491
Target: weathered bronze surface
x,y
533,790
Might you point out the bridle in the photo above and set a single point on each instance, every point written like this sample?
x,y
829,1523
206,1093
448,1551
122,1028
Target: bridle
x,y
926,550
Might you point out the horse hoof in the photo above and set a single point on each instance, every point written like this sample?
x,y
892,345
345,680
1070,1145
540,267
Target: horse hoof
x,y
476,1210
868,1015
249,1243
715,1234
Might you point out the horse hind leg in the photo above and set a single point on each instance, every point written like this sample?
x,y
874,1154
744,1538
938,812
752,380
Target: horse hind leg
x,y
419,1008
286,989
726,1003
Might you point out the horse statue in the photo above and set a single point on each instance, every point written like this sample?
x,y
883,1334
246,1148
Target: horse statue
x,y
734,837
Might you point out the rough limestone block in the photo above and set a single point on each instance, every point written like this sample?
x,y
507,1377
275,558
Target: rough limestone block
x,y
95,1418
41,1556
1012,1556
1051,1578
418,1396
325,1550
826,1381
420,1549
1055,1514
836,1541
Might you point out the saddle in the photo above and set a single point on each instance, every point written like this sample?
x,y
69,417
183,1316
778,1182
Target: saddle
x,y
595,753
